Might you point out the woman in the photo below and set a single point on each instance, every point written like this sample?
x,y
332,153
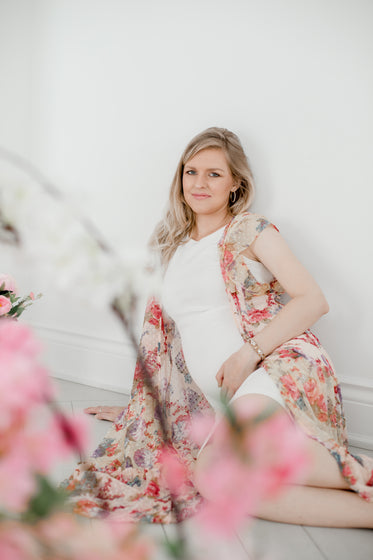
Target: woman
x,y
226,273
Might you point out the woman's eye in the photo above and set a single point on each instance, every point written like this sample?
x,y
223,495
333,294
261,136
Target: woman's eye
x,y
193,172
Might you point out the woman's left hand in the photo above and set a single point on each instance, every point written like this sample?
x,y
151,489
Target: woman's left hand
x,y
236,369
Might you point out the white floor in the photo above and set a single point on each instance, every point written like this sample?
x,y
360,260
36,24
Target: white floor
x,y
262,540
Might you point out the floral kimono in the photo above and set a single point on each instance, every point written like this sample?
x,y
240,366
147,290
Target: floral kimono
x,y
123,475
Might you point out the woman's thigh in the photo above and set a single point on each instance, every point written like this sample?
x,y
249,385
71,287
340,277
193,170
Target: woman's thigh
x,y
323,469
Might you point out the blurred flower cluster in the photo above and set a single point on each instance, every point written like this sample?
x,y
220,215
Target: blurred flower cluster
x,y
12,305
62,537
253,455
35,523
67,248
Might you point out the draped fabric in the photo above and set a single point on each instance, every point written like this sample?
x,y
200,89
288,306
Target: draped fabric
x,y
122,477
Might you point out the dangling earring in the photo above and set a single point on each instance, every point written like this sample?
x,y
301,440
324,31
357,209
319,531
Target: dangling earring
x,y
232,199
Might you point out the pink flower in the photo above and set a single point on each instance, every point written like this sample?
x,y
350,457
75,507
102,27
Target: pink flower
x,y
5,305
257,315
16,542
23,382
54,442
174,473
200,427
108,540
290,385
32,296
14,466
152,489
7,283
311,390
228,258
347,473
154,312
69,434
222,518
322,417
277,448
320,374
321,403
246,465
232,494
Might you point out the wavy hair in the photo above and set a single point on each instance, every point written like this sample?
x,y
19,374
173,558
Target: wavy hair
x,y
179,219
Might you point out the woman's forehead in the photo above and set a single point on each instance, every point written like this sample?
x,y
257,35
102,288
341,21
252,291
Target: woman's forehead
x,y
208,157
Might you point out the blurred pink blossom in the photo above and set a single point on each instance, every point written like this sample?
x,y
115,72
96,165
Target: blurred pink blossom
x,y
7,283
68,434
202,426
16,542
63,537
5,305
277,447
68,538
174,471
23,381
17,482
44,447
245,465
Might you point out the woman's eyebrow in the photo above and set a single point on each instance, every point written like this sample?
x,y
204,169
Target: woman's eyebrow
x,y
210,169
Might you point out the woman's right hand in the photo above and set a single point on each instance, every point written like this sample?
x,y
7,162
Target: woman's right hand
x,y
105,412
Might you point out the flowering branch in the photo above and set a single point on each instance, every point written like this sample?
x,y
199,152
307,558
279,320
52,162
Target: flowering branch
x,y
117,305
162,419
53,191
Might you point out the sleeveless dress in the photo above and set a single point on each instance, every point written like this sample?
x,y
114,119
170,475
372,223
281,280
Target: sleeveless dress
x,y
122,478
193,295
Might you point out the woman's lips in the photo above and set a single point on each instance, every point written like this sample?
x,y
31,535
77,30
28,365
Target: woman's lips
x,y
198,196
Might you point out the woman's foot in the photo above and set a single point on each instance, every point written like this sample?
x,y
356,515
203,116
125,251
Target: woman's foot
x,y
105,412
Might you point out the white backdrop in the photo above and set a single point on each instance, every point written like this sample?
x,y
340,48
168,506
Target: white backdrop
x,y
104,95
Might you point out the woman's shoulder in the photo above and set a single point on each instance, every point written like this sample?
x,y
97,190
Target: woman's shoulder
x,y
243,230
246,226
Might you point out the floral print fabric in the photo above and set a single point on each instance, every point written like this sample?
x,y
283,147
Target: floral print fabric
x,y
122,478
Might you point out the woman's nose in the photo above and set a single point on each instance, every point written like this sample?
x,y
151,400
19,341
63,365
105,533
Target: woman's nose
x,y
200,181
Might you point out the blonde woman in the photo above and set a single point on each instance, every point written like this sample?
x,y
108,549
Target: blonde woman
x,y
224,323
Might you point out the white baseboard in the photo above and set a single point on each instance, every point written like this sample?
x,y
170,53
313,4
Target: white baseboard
x,y
109,364
358,405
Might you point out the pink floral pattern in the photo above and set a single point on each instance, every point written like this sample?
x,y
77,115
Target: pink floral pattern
x,y
123,477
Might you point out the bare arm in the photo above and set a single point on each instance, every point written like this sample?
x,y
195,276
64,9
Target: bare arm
x,y
307,302
306,306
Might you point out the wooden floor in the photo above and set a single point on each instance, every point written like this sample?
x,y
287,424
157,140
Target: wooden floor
x,y
261,540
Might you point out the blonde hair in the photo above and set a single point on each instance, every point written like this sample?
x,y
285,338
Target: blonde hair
x,y
179,218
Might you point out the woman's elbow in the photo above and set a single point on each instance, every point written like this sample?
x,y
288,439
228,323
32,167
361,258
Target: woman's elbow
x,y
322,304
317,302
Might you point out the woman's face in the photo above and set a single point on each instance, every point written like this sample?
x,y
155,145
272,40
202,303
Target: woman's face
x,y
207,182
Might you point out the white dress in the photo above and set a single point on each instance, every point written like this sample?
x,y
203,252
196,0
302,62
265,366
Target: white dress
x,y
193,295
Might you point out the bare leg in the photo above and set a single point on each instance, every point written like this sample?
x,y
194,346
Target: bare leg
x,y
105,412
324,500
324,471
319,507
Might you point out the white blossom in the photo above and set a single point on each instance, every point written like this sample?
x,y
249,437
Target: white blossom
x,y
68,255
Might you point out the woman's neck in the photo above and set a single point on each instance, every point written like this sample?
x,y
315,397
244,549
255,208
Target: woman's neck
x,y
205,225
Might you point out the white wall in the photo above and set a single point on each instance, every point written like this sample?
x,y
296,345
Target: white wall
x,y
119,87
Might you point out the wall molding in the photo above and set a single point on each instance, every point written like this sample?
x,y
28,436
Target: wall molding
x,y
88,360
357,396
109,364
